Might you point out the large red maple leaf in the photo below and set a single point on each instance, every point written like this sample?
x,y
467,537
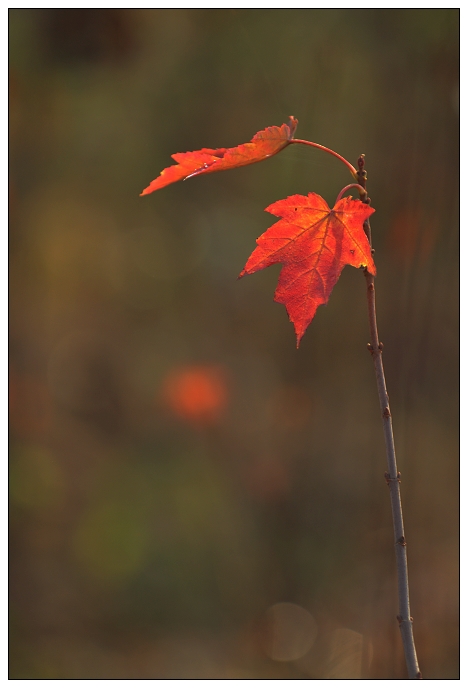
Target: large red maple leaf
x,y
263,145
314,244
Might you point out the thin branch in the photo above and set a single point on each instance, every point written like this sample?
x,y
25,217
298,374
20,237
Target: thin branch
x,y
392,475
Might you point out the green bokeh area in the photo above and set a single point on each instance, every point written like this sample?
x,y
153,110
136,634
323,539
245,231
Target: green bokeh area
x,y
151,537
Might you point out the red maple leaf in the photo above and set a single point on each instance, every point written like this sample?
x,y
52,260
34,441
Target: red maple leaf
x,y
263,145
314,244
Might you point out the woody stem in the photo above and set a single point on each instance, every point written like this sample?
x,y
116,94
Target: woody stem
x,y
392,475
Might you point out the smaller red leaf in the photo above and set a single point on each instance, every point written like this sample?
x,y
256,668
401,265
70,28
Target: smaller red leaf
x,y
263,145
314,244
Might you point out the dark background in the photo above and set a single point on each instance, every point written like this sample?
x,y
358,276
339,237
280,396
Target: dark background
x,y
177,466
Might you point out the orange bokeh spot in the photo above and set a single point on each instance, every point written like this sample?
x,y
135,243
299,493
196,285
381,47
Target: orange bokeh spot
x,y
412,236
196,393
404,233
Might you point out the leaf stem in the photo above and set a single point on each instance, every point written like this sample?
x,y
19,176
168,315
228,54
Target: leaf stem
x,y
347,188
350,167
392,475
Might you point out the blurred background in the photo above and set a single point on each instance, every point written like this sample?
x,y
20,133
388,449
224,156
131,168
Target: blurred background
x,y
191,496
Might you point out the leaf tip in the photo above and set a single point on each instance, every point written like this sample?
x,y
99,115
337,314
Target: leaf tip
x,y
299,336
292,124
300,332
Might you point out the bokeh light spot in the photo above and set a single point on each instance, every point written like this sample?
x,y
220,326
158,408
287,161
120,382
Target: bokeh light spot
x,y
412,235
290,632
345,657
197,393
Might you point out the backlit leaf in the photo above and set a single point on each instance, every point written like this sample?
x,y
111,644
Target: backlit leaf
x,y
264,144
314,244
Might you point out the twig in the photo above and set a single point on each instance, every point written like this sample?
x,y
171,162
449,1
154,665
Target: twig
x,y
392,475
